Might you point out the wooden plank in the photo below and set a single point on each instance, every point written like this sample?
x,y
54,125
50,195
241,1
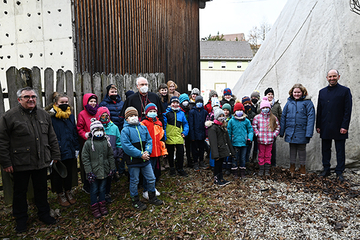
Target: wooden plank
x,y
86,83
36,84
133,82
105,81
119,81
78,94
127,82
152,82
60,81
14,83
97,86
69,79
48,85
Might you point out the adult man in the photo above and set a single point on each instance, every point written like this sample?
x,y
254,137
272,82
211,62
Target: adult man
x,y
140,99
28,143
332,121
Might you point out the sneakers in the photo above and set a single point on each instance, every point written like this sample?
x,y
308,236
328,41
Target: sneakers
x,y
146,195
137,204
62,200
224,182
108,198
70,197
157,193
325,173
196,166
202,165
181,172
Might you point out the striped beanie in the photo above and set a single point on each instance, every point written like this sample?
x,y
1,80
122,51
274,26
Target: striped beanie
x,y
131,111
149,107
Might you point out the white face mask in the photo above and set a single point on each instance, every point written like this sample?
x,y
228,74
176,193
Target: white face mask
x,y
185,103
133,120
98,133
144,89
175,108
216,107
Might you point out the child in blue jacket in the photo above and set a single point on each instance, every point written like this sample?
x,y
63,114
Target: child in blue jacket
x,y
137,145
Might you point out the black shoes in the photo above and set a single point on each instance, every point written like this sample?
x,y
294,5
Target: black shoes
x,y
340,177
181,172
21,226
325,173
48,220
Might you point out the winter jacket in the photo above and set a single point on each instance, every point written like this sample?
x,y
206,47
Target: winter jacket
x,y
191,103
175,125
164,100
112,131
27,139
297,120
262,130
208,106
156,132
101,161
84,118
65,129
240,131
115,108
197,118
135,140
232,102
220,144
334,111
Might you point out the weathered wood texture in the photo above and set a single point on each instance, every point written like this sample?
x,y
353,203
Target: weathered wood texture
x,y
135,36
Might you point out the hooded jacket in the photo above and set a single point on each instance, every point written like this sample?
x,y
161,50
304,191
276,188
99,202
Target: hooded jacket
x,y
115,108
84,118
112,131
157,133
175,124
220,143
240,131
197,118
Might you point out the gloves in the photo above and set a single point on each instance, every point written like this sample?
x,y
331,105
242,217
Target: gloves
x,y
248,142
111,173
77,153
87,134
91,177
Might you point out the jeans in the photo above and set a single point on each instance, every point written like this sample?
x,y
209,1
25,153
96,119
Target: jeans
x,y
240,159
264,154
97,189
148,174
340,154
153,165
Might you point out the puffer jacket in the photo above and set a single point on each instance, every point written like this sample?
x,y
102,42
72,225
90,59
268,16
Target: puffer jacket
x,y
197,118
261,128
220,143
157,133
84,118
240,131
297,120
101,161
175,125
112,131
27,139
115,108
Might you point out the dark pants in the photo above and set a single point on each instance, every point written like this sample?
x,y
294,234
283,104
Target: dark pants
x,y
63,184
218,167
198,150
255,150
179,155
21,182
340,154
273,154
188,148
83,176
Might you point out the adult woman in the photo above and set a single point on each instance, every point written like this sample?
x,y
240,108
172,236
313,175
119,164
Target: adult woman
x,y
171,87
297,123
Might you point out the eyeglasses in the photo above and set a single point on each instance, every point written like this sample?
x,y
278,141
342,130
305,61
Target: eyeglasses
x,y
27,97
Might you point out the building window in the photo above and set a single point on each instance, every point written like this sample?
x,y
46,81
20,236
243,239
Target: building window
x,y
238,65
211,64
223,64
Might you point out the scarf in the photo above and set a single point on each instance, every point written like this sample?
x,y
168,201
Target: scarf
x,y
91,110
60,113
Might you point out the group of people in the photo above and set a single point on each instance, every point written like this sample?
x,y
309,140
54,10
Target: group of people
x,y
149,126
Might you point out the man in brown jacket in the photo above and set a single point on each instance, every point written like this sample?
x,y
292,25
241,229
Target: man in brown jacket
x,y
28,143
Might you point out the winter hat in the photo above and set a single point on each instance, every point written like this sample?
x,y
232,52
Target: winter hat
x,y
174,99
212,93
131,111
265,103
101,111
215,102
92,97
218,112
129,93
227,91
183,97
199,99
256,94
110,87
226,106
269,90
149,107
239,107
94,125
246,99
195,91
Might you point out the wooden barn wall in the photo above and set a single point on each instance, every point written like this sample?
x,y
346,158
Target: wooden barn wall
x,y
138,36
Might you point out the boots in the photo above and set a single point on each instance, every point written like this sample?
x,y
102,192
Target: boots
x,y
70,197
302,169
261,170
62,200
292,167
102,207
242,173
154,200
267,169
172,172
137,204
221,179
234,172
95,210
196,166
217,181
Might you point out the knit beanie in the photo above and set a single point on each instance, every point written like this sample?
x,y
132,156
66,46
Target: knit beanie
x,y
215,102
212,93
256,94
226,106
101,111
149,107
269,90
227,91
199,99
265,103
239,107
195,91
183,97
218,112
246,99
129,93
95,124
131,111
174,99
110,87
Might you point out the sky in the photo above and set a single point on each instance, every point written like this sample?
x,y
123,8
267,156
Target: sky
x,y
237,16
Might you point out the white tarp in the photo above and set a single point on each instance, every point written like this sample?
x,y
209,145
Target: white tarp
x,y
309,38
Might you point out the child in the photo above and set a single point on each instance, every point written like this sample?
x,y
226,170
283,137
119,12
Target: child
x,y
228,97
99,163
208,106
246,101
197,117
112,101
137,145
156,131
163,94
220,145
297,122
112,132
227,164
215,104
241,135
177,128
185,107
194,93
266,128
227,111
